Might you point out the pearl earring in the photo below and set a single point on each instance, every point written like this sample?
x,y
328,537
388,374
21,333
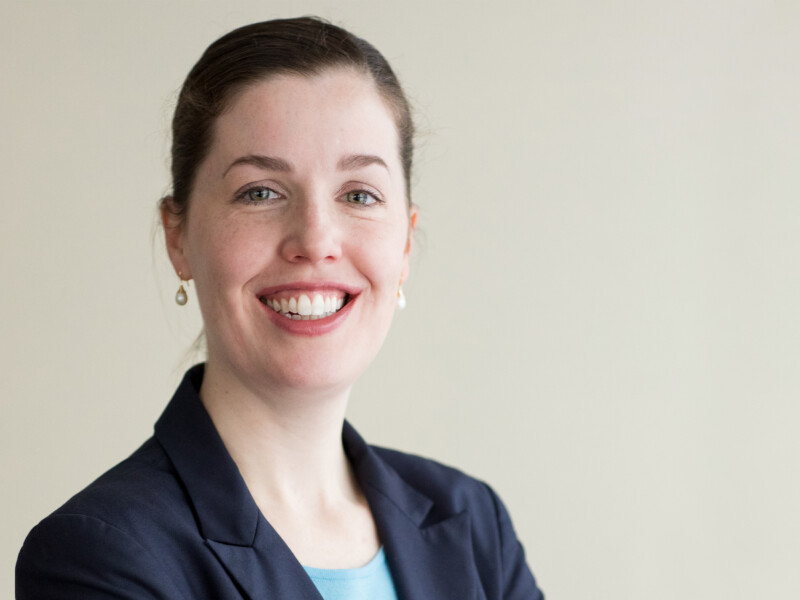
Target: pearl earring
x,y
401,298
181,297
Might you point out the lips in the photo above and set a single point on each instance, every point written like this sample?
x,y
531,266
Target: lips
x,y
309,308
306,306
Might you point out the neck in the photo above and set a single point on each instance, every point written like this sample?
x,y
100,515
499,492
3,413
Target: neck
x,y
287,444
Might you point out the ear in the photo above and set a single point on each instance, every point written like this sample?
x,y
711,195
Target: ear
x,y
413,213
174,236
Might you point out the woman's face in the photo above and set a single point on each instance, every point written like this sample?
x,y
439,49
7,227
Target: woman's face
x,y
298,232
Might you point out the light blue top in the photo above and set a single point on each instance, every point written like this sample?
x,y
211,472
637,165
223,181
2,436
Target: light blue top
x,y
370,582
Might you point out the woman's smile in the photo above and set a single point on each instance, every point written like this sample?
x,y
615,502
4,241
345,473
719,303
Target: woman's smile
x,y
310,306
307,308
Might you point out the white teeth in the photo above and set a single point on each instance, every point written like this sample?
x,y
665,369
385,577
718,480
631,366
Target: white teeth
x,y
317,305
304,305
306,308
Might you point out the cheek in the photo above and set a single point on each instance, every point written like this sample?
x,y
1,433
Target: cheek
x,y
220,254
382,259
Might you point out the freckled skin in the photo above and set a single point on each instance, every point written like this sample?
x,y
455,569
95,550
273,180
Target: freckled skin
x,y
310,229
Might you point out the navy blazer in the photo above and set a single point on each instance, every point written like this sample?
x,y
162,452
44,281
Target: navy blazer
x,y
176,520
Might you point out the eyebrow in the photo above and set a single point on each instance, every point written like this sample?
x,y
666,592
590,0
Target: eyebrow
x,y
268,163
271,163
359,161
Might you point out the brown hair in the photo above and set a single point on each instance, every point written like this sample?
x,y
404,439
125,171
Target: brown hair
x,y
302,46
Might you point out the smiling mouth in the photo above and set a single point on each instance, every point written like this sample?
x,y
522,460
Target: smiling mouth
x,y
306,307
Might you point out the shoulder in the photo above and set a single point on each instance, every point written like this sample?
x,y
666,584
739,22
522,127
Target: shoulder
x,y
451,490
121,528
144,484
498,554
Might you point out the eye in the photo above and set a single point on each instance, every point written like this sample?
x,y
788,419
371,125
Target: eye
x,y
361,197
257,195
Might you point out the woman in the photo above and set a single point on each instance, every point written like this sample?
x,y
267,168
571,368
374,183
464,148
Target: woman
x,y
291,213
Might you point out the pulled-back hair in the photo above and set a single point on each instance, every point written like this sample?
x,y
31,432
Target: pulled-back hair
x,y
302,46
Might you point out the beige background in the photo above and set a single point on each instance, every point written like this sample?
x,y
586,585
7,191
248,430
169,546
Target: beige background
x,y
603,315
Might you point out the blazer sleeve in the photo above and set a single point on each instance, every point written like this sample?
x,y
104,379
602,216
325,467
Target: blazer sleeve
x,y
71,557
518,582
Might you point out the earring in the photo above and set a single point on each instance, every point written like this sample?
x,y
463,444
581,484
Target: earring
x,y
181,297
401,298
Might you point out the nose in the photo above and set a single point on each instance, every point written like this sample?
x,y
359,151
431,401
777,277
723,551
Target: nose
x,y
312,233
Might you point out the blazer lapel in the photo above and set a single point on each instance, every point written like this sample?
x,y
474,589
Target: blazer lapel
x,y
250,549
428,557
266,570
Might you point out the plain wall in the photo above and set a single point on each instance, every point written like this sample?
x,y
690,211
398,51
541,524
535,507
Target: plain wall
x,y
603,314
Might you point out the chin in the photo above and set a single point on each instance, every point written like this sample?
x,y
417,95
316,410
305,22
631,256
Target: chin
x,y
326,378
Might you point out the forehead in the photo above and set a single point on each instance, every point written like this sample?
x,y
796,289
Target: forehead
x,y
319,117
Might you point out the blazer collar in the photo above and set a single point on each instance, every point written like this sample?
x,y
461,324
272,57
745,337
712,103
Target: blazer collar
x,y
429,557
225,509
